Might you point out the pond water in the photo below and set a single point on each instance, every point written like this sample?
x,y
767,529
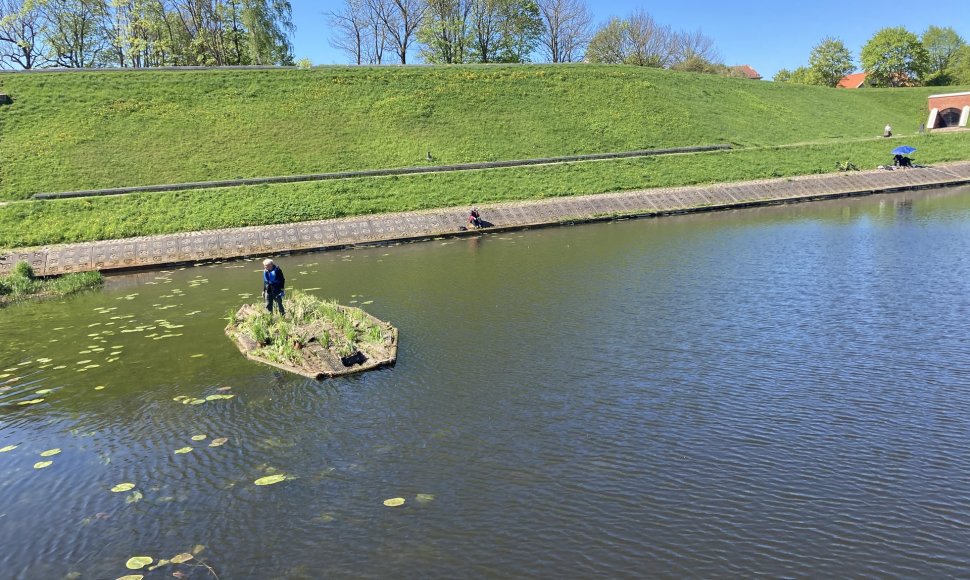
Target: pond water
x,y
781,391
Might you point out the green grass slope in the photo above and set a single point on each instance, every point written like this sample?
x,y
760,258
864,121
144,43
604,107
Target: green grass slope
x,y
69,131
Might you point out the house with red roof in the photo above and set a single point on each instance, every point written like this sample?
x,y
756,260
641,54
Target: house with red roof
x,y
853,81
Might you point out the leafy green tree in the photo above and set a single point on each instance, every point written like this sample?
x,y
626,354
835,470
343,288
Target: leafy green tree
x,y
941,44
610,43
445,31
895,57
959,69
503,30
829,62
802,75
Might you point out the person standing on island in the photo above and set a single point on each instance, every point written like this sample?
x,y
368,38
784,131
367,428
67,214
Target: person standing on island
x,y
273,282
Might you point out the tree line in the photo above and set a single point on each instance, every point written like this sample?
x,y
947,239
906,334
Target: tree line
x,y
144,33
893,57
486,31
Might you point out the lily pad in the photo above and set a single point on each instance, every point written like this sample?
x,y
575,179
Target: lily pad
x,y
219,441
123,487
42,464
135,497
138,562
132,577
50,452
183,450
424,497
198,437
8,448
31,402
394,502
182,558
270,479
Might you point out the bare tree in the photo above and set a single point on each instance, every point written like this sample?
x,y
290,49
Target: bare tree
x,y
400,20
21,27
349,29
567,29
695,46
650,44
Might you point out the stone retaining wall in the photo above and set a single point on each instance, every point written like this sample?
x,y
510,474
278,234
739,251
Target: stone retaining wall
x,y
157,251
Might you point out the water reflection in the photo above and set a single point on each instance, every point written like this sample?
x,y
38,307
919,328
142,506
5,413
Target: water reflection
x,y
774,391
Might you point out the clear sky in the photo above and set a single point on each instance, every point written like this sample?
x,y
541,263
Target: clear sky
x,y
766,35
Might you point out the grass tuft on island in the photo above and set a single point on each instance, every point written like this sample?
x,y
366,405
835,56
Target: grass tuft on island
x,y
22,284
315,338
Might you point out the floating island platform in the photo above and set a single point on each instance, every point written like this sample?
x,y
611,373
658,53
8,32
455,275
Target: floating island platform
x,y
316,338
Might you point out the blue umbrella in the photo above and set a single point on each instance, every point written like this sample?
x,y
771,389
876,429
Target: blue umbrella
x,y
903,150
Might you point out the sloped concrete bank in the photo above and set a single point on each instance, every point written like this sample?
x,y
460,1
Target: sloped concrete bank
x,y
162,250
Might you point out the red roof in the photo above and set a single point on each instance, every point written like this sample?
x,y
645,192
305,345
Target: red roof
x,y
853,81
748,72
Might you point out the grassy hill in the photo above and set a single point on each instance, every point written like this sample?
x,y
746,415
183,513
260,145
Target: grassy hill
x,y
68,131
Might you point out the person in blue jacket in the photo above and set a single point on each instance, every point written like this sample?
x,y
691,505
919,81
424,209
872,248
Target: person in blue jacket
x,y
273,282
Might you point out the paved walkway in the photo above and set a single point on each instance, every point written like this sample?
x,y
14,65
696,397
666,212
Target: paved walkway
x,y
156,251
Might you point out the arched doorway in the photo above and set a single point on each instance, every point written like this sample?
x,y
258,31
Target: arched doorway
x,y
949,118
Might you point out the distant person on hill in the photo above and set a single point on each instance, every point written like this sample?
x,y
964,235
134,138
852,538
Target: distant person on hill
x,y
475,219
888,131
273,282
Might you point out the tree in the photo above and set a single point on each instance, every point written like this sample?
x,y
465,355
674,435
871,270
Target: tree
x,y
649,43
350,31
445,31
565,29
830,61
942,45
21,34
959,69
400,20
75,32
694,46
895,57
610,43
802,75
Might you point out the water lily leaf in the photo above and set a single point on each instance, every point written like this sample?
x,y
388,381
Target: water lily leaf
x,y
198,437
270,479
50,452
424,497
394,501
42,464
135,497
132,577
197,549
31,402
99,388
197,401
123,487
8,448
219,441
182,558
183,450
44,391
138,562
197,356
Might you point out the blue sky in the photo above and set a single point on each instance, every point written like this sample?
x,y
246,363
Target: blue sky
x,y
766,35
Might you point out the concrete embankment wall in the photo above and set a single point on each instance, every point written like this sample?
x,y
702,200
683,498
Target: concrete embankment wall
x,y
156,251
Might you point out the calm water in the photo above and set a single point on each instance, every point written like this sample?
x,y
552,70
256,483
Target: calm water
x,y
782,391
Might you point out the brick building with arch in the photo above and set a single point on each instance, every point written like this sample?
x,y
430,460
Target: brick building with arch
x,y
948,111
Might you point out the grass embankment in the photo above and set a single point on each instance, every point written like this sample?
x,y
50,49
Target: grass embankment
x,y
21,284
37,223
69,131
